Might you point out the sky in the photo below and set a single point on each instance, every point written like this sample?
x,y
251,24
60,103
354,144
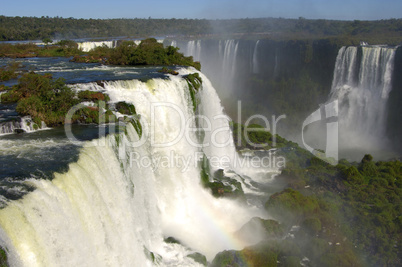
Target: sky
x,y
208,9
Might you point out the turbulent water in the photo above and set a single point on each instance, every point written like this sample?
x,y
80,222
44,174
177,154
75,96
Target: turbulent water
x,y
220,61
361,84
88,46
119,196
112,199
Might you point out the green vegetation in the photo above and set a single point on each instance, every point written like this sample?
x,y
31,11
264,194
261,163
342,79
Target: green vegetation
x,y
355,205
32,28
219,184
3,258
347,215
148,52
168,71
48,100
132,116
42,97
125,108
223,186
265,228
137,125
254,136
63,48
198,257
9,72
47,41
194,82
92,96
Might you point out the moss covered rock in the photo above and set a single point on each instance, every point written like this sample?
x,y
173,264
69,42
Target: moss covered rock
x,y
3,258
291,205
125,108
198,257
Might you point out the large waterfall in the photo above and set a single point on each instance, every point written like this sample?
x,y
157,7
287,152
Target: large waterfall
x,y
361,80
125,194
362,83
220,61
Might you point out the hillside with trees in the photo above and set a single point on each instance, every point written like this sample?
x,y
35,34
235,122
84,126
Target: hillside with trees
x,y
33,28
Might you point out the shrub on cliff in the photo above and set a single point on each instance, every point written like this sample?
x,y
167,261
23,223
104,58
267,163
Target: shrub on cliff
x,y
92,96
43,98
149,52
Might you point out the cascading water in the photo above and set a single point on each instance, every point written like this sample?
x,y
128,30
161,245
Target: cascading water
x,y
88,46
24,124
362,85
255,63
220,61
117,203
194,49
230,58
345,67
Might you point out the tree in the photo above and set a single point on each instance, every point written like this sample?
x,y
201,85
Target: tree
x,y
47,40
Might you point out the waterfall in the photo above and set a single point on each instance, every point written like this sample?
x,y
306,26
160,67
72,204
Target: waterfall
x,y
362,85
345,67
229,66
255,66
88,46
24,124
229,58
173,43
220,61
117,203
194,49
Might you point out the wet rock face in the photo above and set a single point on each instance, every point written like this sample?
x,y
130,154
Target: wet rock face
x,y
19,131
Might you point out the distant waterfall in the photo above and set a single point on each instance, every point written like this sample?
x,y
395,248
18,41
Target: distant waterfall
x,y
88,46
219,61
362,84
194,49
255,63
115,205
229,62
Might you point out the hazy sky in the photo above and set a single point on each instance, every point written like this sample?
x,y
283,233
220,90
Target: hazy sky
x,y
209,9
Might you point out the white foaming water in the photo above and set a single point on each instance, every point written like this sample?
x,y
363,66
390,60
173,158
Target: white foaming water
x,y
230,57
345,67
362,89
120,200
220,143
194,49
220,63
20,147
25,124
173,43
88,46
255,64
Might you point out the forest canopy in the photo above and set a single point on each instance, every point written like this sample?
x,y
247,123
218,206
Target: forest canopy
x,y
33,28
